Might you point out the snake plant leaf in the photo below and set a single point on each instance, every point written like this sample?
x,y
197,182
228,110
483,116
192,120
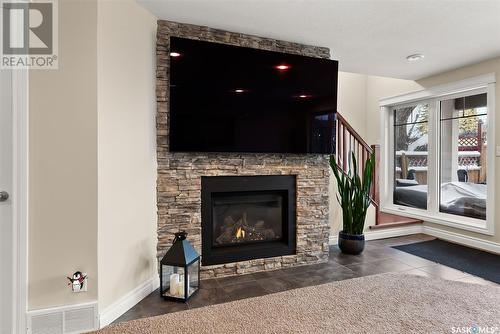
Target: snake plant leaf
x,y
353,192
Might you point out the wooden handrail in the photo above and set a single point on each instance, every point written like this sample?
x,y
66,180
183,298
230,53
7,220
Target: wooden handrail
x,y
349,141
350,129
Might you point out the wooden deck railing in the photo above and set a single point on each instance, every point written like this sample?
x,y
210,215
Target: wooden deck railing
x,y
348,141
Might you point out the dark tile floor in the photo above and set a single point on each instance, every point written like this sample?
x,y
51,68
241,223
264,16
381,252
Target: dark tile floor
x,y
377,258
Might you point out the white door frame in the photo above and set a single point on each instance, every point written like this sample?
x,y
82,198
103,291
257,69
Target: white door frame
x,y
20,112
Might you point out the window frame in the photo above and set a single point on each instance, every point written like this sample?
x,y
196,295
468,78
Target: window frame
x,y
433,96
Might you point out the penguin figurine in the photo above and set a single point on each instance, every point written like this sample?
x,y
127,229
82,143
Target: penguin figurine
x,y
77,281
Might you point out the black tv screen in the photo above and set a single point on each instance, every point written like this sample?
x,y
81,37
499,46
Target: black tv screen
x,y
234,99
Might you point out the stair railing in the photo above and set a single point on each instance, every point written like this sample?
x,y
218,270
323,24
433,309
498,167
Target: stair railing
x,y
349,141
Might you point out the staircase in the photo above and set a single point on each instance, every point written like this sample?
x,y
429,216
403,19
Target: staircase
x,y
347,141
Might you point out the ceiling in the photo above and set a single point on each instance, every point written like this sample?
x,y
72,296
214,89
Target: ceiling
x,y
370,37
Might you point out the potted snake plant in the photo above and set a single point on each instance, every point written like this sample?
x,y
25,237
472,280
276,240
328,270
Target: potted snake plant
x,y
354,198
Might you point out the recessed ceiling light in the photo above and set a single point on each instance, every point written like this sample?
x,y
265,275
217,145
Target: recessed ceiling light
x,y
415,57
239,90
282,67
175,54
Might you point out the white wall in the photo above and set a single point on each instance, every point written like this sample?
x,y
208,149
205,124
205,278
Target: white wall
x,y
126,148
63,163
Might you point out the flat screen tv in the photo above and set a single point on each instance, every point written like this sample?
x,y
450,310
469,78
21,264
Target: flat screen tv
x,y
235,99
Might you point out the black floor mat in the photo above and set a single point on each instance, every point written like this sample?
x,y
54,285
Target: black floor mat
x,y
472,261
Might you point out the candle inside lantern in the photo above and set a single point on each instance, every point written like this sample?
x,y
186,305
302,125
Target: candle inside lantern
x,y
174,284
180,287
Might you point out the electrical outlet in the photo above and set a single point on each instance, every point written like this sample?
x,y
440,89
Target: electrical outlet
x,y
85,283
498,151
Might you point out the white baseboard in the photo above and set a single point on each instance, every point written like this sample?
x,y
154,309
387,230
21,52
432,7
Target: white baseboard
x,y
122,305
385,233
435,232
463,239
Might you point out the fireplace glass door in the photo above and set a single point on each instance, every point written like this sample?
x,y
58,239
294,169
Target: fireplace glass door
x,y
249,217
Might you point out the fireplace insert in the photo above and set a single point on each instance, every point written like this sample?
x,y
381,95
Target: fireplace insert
x,y
247,217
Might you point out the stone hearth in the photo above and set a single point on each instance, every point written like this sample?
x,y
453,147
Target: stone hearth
x,y
179,174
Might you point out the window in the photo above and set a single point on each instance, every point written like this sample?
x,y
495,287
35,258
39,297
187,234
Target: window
x,y
410,155
435,155
463,156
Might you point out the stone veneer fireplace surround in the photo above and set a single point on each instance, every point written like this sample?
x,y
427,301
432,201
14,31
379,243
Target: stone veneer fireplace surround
x,y
180,174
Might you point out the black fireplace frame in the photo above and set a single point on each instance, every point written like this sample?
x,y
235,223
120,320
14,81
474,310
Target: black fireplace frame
x,y
239,184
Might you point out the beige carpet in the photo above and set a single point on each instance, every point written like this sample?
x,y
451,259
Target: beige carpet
x,y
387,303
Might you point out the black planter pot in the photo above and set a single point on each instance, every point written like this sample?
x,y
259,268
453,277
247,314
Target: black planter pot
x,y
351,243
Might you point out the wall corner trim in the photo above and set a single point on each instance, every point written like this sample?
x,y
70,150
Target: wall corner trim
x,y
122,305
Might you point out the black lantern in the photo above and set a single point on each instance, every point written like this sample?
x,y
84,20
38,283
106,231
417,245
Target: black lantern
x,y
180,270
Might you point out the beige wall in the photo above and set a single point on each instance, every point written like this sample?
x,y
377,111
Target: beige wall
x,y
377,88
352,99
358,97
491,66
92,156
358,100
63,163
126,148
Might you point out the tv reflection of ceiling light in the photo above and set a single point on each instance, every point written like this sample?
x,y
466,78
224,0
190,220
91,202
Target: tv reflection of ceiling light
x,y
239,90
175,54
304,96
282,67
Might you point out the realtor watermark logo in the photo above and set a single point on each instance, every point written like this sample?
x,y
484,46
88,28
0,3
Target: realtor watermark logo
x,y
29,34
475,329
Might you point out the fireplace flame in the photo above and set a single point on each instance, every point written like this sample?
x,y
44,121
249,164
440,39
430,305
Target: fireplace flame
x,y
240,233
